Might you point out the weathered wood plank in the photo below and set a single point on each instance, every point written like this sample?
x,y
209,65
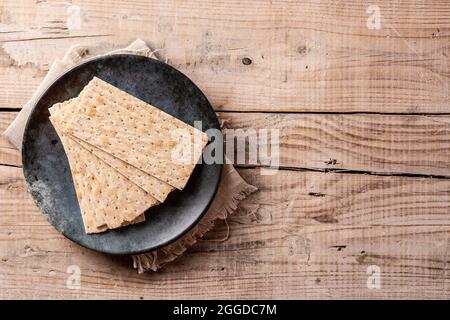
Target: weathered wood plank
x,y
9,155
309,198
306,263
313,56
303,198
373,143
304,257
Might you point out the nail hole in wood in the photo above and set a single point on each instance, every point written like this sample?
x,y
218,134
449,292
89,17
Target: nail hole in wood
x,y
247,61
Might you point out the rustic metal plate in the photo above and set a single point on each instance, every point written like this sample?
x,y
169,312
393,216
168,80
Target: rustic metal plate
x,y
47,171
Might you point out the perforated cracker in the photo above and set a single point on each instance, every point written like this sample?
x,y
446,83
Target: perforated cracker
x,y
93,222
155,187
133,131
102,191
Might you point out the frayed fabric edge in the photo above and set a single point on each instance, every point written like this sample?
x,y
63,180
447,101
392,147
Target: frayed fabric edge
x,y
155,260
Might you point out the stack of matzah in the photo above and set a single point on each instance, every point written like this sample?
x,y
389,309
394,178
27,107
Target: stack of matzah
x,y
124,154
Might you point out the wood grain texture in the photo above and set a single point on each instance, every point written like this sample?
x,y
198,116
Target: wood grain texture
x,y
373,143
364,122
268,256
309,56
383,144
9,155
311,198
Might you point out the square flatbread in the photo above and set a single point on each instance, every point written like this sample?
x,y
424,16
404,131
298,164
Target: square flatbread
x,y
155,187
135,132
107,199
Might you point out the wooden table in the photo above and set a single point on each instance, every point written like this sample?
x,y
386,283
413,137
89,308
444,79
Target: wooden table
x,y
364,119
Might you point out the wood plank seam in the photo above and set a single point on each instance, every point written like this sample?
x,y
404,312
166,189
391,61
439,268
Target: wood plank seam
x,y
348,171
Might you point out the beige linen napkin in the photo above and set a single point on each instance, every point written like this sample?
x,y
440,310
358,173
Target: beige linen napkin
x,y
231,191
